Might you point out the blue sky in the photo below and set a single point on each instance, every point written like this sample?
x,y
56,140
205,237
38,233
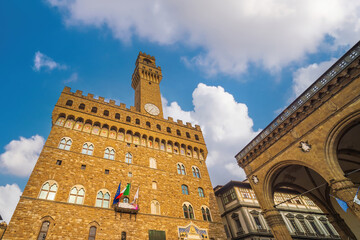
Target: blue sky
x,y
230,68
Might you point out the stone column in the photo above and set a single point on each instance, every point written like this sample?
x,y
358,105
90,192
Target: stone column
x,y
341,227
277,224
345,190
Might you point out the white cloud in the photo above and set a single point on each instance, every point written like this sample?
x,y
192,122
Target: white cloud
x,y
21,155
9,197
226,126
73,78
43,61
304,77
230,34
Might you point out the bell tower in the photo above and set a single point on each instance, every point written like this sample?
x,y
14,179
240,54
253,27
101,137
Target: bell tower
x,y
145,81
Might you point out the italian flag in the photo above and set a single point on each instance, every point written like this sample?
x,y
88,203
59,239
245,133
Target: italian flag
x,y
125,191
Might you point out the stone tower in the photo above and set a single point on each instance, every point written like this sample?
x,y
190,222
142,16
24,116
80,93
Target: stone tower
x,y
93,146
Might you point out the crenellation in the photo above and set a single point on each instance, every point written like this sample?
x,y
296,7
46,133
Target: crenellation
x,y
78,93
170,119
112,102
67,89
101,99
90,96
180,122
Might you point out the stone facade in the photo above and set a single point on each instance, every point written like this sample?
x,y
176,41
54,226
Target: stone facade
x,y
313,147
243,218
157,146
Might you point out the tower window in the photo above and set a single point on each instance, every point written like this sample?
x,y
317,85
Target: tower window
x,y
92,233
178,132
107,171
154,185
69,103
196,172
44,229
94,109
102,200
206,214
155,207
181,169
83,167
185,189
126,200
77,195
106,113
188,211
187,135
65,143
168,130
201,192
196,137
109,153
158,127
137,121
128,119
128,158
117,116
48,192
82,106
58,162
88,148
148,124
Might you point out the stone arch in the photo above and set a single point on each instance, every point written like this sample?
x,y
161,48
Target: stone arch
x,y
333,139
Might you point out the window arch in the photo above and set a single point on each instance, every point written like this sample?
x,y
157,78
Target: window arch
x,y
168,129
178,132
196,137
154,185
137,121
94,109
206,213
155,207
82,106
201,192
153,163
109,153
48,190
92,233
148,124
158,127
77,195
106,113
187,135
128,157
43,230
196,172
188,211
126,200
117,116
181,169
88,148
128,119
69,103
103,199
184,189
65,143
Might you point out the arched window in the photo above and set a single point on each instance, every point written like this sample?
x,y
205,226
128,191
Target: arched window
x,y
65,143
152,163
201,192
82,106
88,148
92,233
48,191
185,189
117,116
43,230
69,103
148,124
187,135
137,121
188,211
106,113
168,130
206,214
103,199
128,158
128,119
154,185
126,200
196,172
94,109
155,207
181,169
109,153
178,132
196,137
158,127
77,195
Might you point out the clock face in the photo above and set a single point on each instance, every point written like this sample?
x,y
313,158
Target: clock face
x,y
152,109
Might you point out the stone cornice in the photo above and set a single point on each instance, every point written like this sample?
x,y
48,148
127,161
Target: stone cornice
x,y
320,91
